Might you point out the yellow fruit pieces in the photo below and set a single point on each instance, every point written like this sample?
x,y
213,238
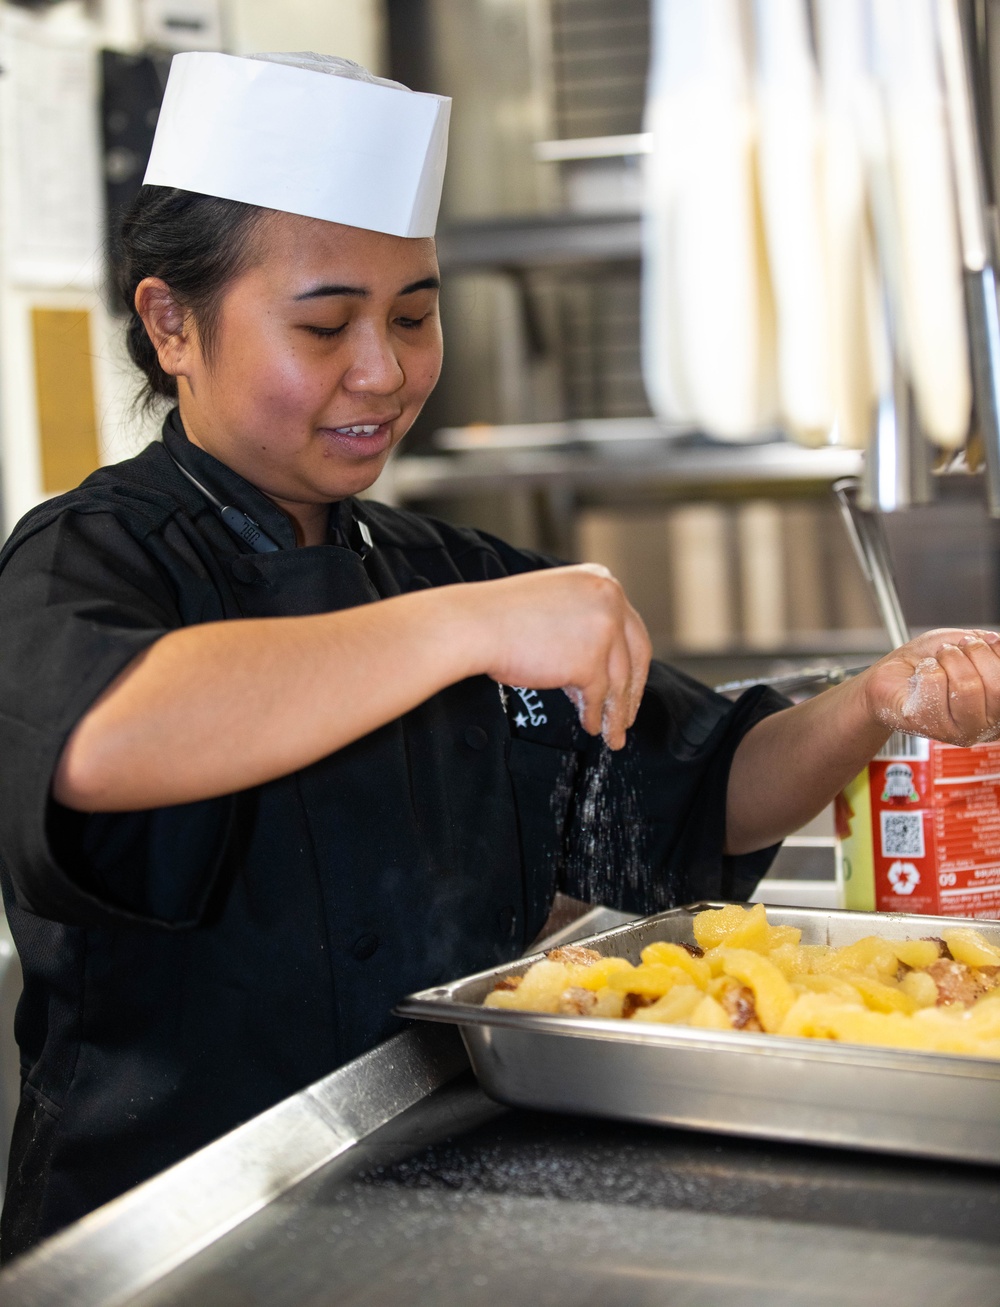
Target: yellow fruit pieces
x,y
938,995
968,946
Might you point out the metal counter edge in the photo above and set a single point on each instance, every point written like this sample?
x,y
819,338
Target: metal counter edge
x,y
114,1253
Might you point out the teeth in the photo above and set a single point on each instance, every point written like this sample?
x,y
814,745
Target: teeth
x,y
357,431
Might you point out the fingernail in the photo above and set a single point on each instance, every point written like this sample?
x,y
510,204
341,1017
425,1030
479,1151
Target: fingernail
x,y
991,637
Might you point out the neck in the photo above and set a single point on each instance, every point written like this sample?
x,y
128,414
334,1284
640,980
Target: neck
x,y
309,520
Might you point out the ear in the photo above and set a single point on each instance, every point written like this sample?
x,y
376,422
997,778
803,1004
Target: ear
x,y
170,326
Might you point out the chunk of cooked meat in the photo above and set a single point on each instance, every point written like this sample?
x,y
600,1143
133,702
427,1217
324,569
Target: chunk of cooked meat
x,y
957,983
738,1003
575,1002
574,955
633,1002
695,950
508,982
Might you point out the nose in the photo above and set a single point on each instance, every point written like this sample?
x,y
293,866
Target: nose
x,y
374,368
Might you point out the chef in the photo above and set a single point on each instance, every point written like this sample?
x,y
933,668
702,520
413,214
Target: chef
x,y
265,765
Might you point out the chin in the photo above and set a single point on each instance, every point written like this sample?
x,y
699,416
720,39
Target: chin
x,y
356,481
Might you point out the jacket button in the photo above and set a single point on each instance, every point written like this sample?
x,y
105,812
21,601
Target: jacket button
x,y
246,571
364,947
506,918
476,737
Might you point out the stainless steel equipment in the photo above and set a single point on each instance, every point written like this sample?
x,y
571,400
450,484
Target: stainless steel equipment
x,y
396,1179
735,1082
866,532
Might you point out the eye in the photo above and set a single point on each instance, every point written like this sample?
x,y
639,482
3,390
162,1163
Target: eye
x,y
410,323
324,333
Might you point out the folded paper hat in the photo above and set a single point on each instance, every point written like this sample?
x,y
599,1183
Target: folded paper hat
x,y
303,133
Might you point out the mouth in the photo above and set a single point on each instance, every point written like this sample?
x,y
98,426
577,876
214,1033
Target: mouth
x,y
362,438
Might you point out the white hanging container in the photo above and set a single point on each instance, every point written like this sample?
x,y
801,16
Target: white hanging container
x,y
855,295
707,322
795,220
931,306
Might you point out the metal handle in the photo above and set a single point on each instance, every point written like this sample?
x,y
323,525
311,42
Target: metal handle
x,y
867,534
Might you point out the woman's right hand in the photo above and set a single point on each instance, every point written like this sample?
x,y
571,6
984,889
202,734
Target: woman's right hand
x,y
566,627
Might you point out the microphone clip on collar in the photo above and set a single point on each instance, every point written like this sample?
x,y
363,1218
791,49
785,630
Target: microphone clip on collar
x,y
254,535
240,523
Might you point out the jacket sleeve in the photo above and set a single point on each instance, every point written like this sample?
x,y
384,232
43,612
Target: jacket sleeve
x,y
80,599
676,778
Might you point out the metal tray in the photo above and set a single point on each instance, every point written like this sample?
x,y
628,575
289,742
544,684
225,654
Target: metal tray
x,y
845,1095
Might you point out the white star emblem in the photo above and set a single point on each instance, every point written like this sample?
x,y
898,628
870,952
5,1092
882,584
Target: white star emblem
x,y
520,720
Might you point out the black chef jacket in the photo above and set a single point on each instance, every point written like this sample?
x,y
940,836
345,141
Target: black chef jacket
x,y
186,968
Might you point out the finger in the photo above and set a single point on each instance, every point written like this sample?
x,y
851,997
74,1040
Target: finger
x,y
616,705
575,695
591,709
966,695
985,657
640,655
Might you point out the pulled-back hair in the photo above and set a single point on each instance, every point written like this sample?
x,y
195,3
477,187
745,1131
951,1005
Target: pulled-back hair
x,y
197,244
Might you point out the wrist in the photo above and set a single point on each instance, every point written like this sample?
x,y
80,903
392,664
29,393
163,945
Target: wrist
x,y
448,616
864,716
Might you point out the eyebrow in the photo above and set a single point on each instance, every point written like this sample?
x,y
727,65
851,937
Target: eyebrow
x,y
361,292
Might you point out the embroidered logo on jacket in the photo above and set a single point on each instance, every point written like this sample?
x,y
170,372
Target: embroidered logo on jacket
x,y
534,706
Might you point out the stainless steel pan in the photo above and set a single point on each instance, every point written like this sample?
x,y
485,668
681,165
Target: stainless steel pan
x,y
851,1096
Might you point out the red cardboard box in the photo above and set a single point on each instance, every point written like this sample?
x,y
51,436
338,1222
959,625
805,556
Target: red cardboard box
x,y
919,830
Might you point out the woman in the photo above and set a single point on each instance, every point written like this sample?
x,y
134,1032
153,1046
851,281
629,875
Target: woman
x,y
259,779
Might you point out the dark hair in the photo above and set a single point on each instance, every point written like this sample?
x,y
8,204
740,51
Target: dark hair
x,y
197,244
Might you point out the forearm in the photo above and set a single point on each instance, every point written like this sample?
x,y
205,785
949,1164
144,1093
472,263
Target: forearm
x,y
213,709
790,765
217,708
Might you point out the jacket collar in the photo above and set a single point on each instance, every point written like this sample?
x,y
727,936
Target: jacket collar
x,y
230,488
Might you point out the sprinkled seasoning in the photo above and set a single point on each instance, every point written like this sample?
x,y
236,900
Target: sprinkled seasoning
x,y
596,804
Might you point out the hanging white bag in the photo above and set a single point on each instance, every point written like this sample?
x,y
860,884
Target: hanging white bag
x,y
707,327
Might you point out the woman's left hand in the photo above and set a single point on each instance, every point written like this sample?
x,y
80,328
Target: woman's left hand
x,y
945,685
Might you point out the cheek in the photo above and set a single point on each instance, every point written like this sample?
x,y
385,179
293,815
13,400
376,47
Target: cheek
x,y
278,378
423,373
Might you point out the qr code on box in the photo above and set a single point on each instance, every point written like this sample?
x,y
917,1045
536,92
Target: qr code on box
x,y
902,834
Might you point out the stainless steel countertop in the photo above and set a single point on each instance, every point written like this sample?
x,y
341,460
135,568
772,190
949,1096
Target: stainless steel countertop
x,y
396,1180
464,1202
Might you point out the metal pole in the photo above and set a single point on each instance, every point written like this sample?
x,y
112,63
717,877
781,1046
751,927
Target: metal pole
x,y
866,531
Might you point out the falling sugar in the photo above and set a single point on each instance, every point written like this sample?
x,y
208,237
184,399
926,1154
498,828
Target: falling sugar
x,y
596,806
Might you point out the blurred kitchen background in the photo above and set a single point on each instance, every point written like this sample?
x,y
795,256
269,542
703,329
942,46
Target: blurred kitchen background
x,y
676,306
718,520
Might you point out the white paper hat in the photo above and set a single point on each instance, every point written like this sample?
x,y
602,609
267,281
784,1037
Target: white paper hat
x,y
280,132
